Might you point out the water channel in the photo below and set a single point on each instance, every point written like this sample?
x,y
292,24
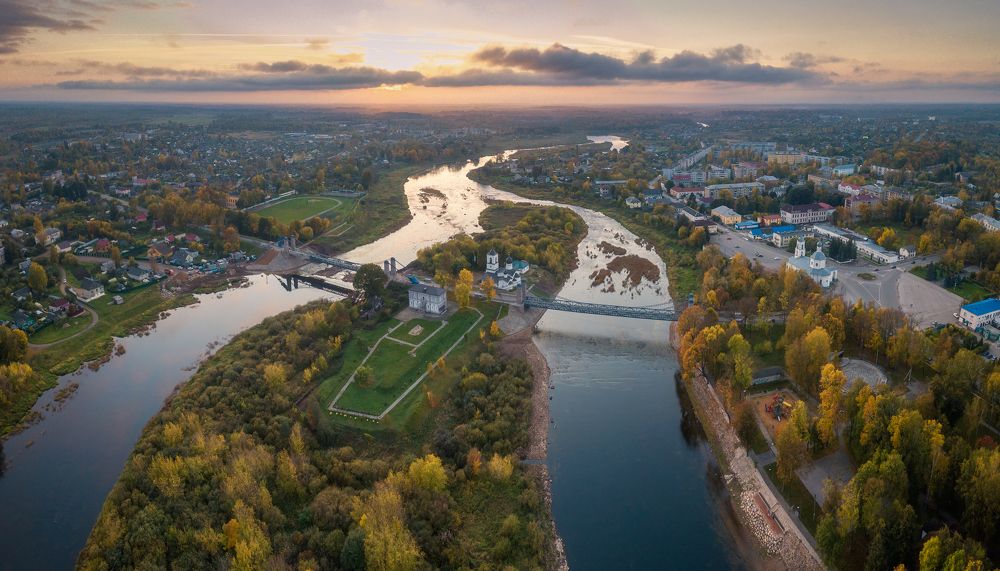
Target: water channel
x,y
634,484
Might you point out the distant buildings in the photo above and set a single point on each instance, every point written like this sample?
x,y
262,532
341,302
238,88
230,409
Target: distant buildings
x,y
991,224
844,170
806,213
948,202
876,253
508,277
738,189
786,158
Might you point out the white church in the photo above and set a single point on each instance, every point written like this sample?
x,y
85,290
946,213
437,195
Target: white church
x,y
507,278
814,266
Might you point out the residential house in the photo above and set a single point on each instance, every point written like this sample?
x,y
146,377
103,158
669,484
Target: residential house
x,y
908,251
161,250
184,257
24,265
769,219
90,289
64,246
50,236
428,299
21,294
682,193
633,202
857,204
138,274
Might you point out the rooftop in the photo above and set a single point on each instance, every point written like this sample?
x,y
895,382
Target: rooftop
x,y
427,289
983,307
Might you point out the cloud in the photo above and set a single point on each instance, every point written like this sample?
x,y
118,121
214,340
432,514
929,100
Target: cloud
x,y
317,43
310,77
805,60
20,18
571,66
132,70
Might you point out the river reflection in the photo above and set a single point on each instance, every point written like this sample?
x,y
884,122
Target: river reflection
x,y
60,470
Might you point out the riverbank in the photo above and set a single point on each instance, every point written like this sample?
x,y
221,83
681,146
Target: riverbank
x,y
778,539
95,346
520,345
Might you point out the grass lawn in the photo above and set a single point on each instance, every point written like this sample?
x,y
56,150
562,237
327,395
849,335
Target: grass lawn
x,y
383,211
428,327
353,352
299,208
919,271
395,369
970,291
798,496
59,331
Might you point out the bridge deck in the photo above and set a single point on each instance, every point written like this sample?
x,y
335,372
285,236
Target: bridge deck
x,y
601,309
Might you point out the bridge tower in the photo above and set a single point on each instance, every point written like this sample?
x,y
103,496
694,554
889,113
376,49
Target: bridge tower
x,y
392,264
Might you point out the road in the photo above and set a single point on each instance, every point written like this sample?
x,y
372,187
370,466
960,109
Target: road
x,y
94,318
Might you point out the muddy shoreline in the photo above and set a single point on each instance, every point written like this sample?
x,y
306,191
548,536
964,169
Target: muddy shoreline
x,y
520,345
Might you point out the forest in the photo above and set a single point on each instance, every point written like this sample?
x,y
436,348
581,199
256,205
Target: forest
x,y
232,473
926,490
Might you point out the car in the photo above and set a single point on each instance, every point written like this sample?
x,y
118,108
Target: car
x,y
955,315
777,258
894,267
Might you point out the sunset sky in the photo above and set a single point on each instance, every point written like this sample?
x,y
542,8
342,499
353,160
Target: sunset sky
x,y
514,52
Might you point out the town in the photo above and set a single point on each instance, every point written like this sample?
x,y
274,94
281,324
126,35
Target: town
x,y
780,242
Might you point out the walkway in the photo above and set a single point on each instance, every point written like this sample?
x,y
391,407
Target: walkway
x,y
409,389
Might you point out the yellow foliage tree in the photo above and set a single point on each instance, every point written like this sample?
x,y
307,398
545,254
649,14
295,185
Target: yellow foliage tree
x,y
428,473
488,288
463,294
275,375
389,545
500,467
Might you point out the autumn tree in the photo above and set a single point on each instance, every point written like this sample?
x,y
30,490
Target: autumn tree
x,y
275,375
742,362
116,256
806,356
488,288
428,473
389,545
831,382
979,487
38,279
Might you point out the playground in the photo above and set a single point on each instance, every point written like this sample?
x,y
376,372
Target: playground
x,y
301,208
774,408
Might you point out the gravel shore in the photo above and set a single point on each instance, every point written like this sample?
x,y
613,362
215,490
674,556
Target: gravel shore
x,y
761,513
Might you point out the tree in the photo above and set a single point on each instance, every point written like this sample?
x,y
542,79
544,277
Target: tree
x,y
230,239
805,357
275,375
488,288
428,473
371,280
948,551
389,545
831,382
979,487
13,345
116,256
793,452
742,362
463,294
365,376
38,279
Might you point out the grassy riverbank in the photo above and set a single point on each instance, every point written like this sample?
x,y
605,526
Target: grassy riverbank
x,y
141,308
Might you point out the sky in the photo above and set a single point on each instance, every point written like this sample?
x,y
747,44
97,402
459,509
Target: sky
x,y
507,53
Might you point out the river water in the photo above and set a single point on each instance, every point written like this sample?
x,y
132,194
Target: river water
x,y
634,485
60,470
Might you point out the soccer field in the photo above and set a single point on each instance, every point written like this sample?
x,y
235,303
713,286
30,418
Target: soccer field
x,y
300,208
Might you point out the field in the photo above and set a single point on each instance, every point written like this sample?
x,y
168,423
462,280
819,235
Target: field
x,y
59,331
300,208
397,366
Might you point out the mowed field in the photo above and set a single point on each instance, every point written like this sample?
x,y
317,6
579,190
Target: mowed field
x,y
301,208
396,366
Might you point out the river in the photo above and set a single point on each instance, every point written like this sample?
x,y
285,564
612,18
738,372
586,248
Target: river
x,y
634,484
60,470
